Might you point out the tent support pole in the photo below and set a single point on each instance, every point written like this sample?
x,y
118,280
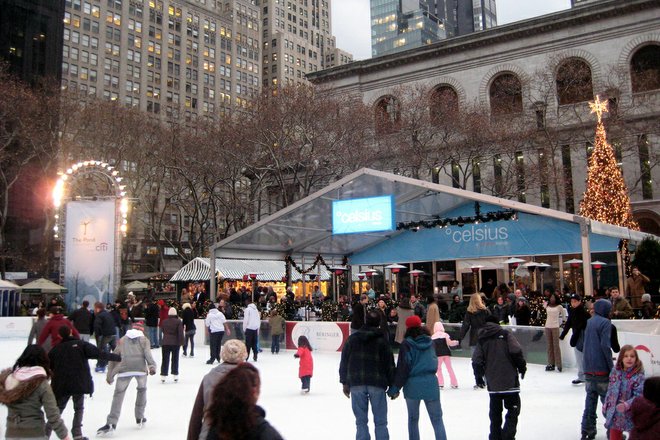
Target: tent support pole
x,y
586,258
213,280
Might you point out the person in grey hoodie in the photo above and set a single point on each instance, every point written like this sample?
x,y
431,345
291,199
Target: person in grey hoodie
x,y
136,362
499,357
251,324
233,353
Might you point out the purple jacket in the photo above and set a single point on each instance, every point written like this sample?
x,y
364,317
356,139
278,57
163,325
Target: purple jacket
x,y
624,385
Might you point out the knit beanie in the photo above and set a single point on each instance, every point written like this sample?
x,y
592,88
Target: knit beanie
x,y
646,297
233,352
413,321
171,311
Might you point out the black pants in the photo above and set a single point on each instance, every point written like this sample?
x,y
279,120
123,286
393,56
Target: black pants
x,y
215,341
511,402
106,344
189,337
78,411
275,344
306,380
251,337
173,351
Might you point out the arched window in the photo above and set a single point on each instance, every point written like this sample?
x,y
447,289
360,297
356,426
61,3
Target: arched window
x,y
443,104
387,115
574,82
505,95
645,69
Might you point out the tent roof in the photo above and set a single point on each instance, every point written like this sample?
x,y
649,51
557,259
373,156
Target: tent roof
x,y
305,227
233,269
42,285
4,284
136,285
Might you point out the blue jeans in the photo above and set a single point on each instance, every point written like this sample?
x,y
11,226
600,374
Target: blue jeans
x,y
434,409
152,334
306,380
595,387
361,395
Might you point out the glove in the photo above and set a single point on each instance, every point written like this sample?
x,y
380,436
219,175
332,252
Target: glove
x,y
296,356
561,338
347,390
394,395
621,407
481,383
152,371
522,374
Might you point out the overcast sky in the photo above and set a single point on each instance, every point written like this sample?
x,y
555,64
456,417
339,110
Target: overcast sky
x,y
351,20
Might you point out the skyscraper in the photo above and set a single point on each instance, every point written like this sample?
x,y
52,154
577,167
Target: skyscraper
x,y
403,24
474,15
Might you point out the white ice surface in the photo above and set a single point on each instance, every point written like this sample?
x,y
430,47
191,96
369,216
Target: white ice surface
x,y
551,405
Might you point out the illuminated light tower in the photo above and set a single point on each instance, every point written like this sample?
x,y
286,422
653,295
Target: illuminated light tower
x,y
337,271
394,271
475,273
598,266
415,276
513,265
574,264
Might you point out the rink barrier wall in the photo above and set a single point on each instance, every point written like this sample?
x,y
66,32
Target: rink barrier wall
x,y
644,335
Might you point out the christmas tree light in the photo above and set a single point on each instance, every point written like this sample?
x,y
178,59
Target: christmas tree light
x,y
606,197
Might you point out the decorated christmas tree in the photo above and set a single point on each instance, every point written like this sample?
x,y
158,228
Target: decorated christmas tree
x,y
606,197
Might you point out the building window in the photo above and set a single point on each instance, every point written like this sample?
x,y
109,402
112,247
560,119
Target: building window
x,y
444,104
476,175
543,171
574,83
387,114
455,174
645,166
568,178
497,173
645,69
520,176
505,95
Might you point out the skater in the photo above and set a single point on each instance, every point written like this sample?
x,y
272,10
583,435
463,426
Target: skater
x,y
626,382
475,318
498,356
234,412
37,326
82,320
556,315
306,368
366,370
416,374
24,389
251,324
104,332
151,314
645,412
172,340
189,329
442,341
577,321
277,325
217,324
71,376
52,328
136,362
233,353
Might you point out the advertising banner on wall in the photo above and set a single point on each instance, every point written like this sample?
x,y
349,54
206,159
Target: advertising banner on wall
x,y
90,251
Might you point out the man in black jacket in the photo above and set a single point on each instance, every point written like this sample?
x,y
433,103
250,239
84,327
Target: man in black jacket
x,y
71,375
577,321
499,357
82,320
359,313
366,370
151,314
104,331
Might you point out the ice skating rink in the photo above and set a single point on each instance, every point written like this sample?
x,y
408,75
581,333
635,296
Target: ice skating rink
x,y
551,405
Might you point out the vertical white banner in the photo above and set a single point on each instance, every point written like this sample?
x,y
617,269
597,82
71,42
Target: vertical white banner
x,y
90,250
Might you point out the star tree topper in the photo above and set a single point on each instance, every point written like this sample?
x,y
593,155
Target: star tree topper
x,y
599,107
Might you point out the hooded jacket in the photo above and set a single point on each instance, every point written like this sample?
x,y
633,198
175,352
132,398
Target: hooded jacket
x,y
104,324
646,420
441,340
71,375
597,347
625,385
416,369
499,357
136,359
472,323
577,321
367,359
262,430
215,321
25,391
52,329
251,318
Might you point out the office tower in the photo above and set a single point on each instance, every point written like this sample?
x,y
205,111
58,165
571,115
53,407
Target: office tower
x,y
337,57
475,15
31,37
398,25
170,58
297,37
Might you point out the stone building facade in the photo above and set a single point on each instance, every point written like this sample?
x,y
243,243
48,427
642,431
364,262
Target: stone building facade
x,y
542,70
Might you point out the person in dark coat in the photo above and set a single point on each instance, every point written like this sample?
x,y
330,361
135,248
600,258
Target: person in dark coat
x,y
645,411
475,318
499,358
359,313
172,340
151,316
52,327
71,376
577,321
189,329
104,331
523,313
82,320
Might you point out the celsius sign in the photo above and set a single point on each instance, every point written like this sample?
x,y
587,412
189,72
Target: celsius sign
x,y
371,214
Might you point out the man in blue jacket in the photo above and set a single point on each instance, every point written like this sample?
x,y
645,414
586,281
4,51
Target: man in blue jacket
x,y
597,357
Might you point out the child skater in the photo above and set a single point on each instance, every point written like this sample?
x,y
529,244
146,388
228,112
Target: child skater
x,y
306,363
626,383
442,342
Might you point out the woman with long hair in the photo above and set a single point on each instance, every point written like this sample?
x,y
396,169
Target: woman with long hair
x,y
556,315
234,413
475,318
24,389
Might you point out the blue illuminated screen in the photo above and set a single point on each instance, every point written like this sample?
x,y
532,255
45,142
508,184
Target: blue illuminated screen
x,y
370,214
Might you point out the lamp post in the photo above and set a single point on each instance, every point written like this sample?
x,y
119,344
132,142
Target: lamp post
x,y
542,267
574,264
360,277
415,274
598,265
336,271
531,267
369,272
312,277
513,263
394,270
253,277
475,273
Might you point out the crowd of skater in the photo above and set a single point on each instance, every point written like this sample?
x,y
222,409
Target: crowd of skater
x,y
226,403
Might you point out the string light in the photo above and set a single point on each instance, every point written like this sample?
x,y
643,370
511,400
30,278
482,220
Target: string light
x,y
478,217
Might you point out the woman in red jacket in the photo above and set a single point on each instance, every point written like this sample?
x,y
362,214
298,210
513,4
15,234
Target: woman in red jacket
x,y
306,368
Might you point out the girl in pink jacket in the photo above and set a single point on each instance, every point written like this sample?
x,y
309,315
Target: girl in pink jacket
x,y
442,342
306,368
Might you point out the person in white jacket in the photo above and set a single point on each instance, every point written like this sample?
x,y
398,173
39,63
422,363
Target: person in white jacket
x,y
216,322
251,324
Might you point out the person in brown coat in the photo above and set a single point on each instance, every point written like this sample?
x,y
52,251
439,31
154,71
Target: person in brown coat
x,y
432,314
172,340
620,306
635,287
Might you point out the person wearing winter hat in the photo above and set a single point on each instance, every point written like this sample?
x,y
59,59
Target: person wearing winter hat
x,y
577,322
416,375
172,340
233,353
523,314
441,342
